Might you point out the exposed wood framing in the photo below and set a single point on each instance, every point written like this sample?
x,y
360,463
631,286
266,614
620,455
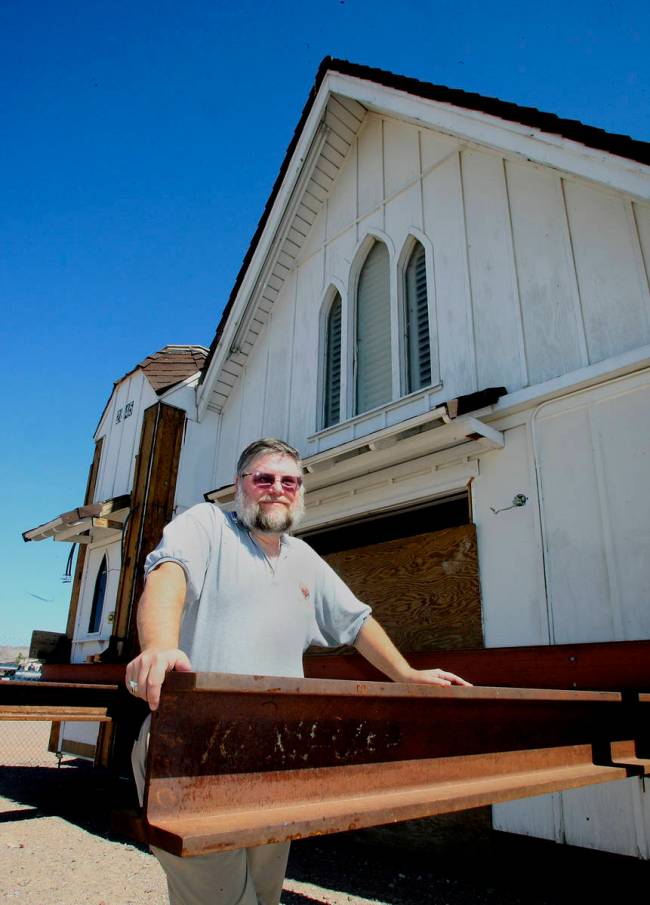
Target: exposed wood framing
x,y
81,555
152,508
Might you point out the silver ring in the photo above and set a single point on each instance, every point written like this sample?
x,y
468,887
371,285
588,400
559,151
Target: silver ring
x,y
133,686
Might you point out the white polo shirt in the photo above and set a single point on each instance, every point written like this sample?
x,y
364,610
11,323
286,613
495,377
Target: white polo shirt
x,y
245,613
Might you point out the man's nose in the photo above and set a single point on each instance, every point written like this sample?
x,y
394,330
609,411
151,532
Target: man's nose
x,y
276,486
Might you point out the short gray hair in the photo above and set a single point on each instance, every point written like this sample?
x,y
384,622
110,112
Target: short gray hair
x,y
263,446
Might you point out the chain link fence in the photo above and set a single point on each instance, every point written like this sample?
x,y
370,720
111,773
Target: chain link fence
x,y
24,743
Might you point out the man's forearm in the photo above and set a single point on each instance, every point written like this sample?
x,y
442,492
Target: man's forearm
x,y
374,644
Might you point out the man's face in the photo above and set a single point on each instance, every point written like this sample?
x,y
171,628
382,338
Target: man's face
x,y
271,509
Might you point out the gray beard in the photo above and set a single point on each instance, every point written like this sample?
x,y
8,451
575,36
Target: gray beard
x,y
253,517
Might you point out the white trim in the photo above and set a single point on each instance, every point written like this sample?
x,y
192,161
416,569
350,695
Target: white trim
x,y
529,397
524,142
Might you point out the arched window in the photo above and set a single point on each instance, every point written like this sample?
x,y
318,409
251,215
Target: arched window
x,y
96,610
416,321
373,341
332,381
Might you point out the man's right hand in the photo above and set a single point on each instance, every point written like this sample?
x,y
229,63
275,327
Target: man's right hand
x,y
148,672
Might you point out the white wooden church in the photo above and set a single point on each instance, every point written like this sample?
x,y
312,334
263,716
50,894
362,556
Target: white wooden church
x,y
446,309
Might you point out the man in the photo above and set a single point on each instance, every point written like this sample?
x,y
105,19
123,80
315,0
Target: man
x,y
235,593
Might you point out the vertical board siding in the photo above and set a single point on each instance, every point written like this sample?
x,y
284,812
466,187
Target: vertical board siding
x,y
642,218
595,511
252,399
280,342
228,447
495,303
512,583
621,428
434,149
403,213
603,817
613,300
573,531
370,165
315,238
444,223
304,372
342,202
549,298
338,261
401,155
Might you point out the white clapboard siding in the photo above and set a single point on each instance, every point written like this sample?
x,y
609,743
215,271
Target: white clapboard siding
x,y
495,304
444,223
550,303
614,299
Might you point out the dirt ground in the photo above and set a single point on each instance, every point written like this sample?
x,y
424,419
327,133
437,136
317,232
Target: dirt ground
x,y
57,848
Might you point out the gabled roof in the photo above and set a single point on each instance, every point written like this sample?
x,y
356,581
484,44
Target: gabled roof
x,y
342,112
171,365
164,369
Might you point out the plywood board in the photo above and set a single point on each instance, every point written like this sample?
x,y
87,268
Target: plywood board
x,y
424,589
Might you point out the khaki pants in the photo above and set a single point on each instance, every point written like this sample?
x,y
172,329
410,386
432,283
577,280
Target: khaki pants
x,y
248,876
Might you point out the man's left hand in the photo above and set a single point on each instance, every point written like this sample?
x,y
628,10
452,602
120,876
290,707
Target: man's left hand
x,y
433,677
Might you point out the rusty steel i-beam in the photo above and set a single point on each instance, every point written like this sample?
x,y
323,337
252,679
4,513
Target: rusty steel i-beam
x,y
239,761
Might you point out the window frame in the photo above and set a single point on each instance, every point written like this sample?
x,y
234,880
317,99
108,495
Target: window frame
x,y
413,238
96,615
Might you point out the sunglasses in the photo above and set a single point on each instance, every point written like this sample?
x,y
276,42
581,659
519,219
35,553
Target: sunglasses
x,y
265,480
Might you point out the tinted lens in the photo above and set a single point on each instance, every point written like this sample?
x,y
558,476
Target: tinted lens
x,y
265,480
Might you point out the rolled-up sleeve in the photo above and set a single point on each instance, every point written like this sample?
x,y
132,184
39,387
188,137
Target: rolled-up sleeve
x,y
339,614
186,541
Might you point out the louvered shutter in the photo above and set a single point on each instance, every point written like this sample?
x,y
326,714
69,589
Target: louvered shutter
x,y
418,340
373,358
332,395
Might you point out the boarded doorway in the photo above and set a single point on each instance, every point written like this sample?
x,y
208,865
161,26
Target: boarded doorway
x,y
417,569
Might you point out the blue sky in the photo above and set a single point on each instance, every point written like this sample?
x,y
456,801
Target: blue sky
x,y
138,144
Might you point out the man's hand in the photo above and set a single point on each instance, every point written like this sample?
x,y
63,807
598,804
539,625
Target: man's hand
x,y
159,618
374,644
148,672
433,677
